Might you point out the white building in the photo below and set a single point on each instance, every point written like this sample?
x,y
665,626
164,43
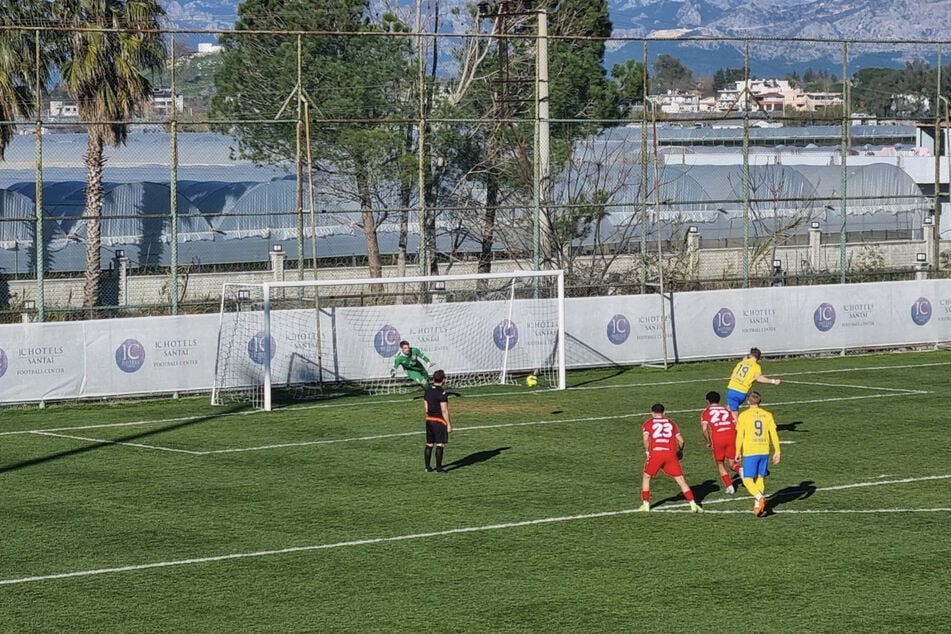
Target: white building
x,y
773,95
676,101
207,48
162,101
60,109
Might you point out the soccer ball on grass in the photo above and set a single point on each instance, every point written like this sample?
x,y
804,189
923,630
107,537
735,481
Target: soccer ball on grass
x,y
531,380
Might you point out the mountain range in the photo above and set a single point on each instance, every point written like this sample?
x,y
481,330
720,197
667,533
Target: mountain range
x,y
792,30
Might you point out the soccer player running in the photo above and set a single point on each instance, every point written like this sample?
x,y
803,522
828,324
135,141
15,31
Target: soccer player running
x,y
438,425
718,426
755,432
745,373
663,444
411,360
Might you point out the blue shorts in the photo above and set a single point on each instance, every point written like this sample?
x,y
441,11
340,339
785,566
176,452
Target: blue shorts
x,y
756,466
735,398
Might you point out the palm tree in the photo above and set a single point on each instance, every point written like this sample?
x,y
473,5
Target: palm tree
x,y
109,48
18,65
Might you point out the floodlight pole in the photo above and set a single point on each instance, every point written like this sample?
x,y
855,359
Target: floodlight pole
x,y
746,166
844,153
938,144
544,141
422,255
644,178
173,183
660,284
38,140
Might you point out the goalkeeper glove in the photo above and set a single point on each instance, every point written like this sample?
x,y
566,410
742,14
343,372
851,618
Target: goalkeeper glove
x,y
392,373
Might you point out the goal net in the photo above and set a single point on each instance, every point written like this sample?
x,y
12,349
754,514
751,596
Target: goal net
x,y
281,341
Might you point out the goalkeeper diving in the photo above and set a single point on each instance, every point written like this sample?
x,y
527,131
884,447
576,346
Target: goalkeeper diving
x,y
412,360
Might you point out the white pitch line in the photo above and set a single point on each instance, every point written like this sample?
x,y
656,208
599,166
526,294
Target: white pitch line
x,y
900,390
452,531
783,374
871,368
131,423
556,421
305,443
183,419
817,511
116,442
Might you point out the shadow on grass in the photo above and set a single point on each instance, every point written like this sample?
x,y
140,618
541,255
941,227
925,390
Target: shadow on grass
x,y
123,439
801,491
793,426
473,458
700,491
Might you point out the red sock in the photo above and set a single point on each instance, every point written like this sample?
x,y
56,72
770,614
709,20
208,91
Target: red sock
x,y
689,495
727,480
646,496
736,468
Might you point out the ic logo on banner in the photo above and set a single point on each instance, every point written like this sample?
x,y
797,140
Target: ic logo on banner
x,y
386,341
4,363
824,317
256,348
505,335
130,355
921,311
724,322
619,329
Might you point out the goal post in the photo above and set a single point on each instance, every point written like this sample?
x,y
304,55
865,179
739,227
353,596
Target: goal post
x,y
314,338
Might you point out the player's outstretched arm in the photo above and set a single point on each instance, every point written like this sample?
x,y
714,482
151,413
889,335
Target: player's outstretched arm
x,y
760,378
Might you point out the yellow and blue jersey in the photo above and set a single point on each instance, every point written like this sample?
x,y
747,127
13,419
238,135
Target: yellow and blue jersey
x,y
755,431
744,374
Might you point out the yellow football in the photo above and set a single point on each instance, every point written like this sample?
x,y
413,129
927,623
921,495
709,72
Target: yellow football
x,y
531,380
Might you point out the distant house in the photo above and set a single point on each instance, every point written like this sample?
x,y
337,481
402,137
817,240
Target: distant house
x,y
207,48
909,105
60,109
161,102
707,104
823,100
773,95
677,101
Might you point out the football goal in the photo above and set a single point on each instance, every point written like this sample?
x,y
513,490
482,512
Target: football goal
x,y
280,341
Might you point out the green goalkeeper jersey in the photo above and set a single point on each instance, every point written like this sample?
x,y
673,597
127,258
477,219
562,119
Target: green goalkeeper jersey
x,y
412,362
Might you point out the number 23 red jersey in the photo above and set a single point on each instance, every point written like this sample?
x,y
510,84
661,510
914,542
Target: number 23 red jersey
x,y
662,433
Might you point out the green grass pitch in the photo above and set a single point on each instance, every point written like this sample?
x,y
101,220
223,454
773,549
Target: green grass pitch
x,y
175,516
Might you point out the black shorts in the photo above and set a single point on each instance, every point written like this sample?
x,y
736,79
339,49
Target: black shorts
x,y
437,433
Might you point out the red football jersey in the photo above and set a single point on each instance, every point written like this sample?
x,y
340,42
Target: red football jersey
x,y
720,419
662,433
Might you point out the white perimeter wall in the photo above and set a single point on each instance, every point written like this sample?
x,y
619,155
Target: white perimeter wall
x,y
161,355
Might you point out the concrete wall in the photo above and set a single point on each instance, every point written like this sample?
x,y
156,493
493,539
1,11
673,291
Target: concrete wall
x,y
707,264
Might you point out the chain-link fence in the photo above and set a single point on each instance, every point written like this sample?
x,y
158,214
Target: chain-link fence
x,y
303,152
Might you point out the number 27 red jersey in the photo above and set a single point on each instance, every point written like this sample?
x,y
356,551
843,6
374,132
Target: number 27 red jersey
x,y
720,419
